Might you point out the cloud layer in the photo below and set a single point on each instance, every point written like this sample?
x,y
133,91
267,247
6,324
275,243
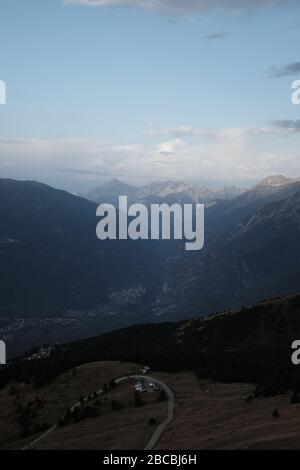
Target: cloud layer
x,y
287,124
176,153
293,68
186,6
216,36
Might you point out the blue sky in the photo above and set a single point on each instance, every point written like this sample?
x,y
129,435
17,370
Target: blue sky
x,y
148,93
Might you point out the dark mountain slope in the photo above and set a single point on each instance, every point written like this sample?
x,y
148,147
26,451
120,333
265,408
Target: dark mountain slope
x,y
252,344
271,324
50,258
259,258
226,214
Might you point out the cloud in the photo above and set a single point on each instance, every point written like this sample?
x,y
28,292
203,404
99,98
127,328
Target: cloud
x,y
186,7
287,124
216,36
179,131
210,154
212,134
83,172
128,148
170,147
293,68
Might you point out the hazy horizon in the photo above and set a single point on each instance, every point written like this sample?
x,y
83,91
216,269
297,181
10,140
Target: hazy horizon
x,y
165,90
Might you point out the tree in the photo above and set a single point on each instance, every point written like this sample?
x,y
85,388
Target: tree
x,y
77,414
138,402
295,398
25,433
162,396
39,403
45,426
112,384
116,406
12,391
19,409
89,412
37,428
68,415
81,399
61,423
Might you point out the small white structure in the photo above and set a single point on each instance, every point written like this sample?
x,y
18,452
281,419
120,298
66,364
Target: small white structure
x,y
145,370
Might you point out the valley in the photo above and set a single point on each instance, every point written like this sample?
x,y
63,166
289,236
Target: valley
x,y
59,283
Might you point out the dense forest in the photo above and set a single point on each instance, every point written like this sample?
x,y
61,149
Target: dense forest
x,y
249,345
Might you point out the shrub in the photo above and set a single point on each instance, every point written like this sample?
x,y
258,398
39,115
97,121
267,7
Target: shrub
x,y
295,398
25,433
12,391
137,400
116,406
89,412
112,384
152,422
162,396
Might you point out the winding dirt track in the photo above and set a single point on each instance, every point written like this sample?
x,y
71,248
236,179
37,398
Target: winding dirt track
x,y
158,431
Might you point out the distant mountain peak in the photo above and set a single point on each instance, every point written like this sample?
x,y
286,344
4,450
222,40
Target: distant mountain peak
x,y
174,190
115,182
110,191
276,180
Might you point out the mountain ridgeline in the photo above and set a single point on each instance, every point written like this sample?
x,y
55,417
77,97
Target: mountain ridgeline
x,y
60,283
248,345
51,259
159,192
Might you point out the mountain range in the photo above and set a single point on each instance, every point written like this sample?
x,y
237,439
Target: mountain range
x,y
60,283
166,191
257,257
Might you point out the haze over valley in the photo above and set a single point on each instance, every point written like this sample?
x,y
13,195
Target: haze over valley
x,y
66,278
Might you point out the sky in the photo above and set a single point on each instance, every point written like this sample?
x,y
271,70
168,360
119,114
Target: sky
x,y
145,90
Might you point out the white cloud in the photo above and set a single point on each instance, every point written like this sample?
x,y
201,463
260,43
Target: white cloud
x,y
187,6
213,134
128,148
224,154
180,131
170,146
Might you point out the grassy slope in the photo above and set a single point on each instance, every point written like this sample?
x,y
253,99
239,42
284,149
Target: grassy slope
x,y
212,415
128,428
208,415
